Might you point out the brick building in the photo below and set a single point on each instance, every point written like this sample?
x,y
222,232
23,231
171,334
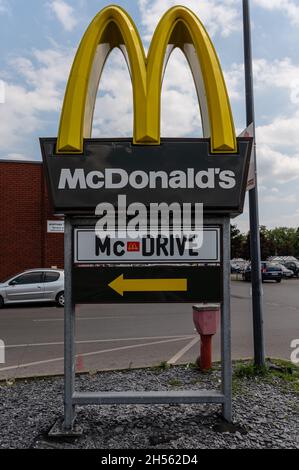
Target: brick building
x,y
25,210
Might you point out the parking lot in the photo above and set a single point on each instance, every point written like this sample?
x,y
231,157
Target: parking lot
x,y
116,337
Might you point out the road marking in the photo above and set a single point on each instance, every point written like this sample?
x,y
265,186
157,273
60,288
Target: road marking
x,y
183,351
41,320
92,341
121,285
95,353
271,304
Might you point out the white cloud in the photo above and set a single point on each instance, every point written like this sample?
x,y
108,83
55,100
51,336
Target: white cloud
x,y
273,218
180,115
279,199
43,76
288,7
218,16
4,8
281,74
278,139
2,92
64,13
234,79
281,134
114,106
276,167
28,106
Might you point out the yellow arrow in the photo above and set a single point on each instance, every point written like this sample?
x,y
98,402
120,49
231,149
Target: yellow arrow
x,y
121,285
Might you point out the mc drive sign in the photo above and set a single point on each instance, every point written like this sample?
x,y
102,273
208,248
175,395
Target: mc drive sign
x,y
203,248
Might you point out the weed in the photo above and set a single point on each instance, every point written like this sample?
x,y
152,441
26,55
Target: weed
x,y
175,383
250,370
275,369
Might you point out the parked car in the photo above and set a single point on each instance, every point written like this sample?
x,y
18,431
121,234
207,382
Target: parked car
x,y
35,285
235,268
270,272
286,273
293,266
281,259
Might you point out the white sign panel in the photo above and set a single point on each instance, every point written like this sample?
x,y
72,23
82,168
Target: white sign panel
x,y
147,249
249,132
55,226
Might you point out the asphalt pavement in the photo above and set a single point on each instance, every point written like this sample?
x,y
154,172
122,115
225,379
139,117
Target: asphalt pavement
x,y
130,336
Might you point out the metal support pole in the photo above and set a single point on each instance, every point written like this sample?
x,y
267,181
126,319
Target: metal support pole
x,y
69,330
226,327
255,249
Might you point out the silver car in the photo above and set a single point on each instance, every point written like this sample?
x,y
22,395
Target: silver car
x,y
35,285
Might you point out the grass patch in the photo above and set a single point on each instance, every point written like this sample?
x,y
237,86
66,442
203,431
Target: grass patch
x,y
286,371
191,365
195,381
237,387
160,367
250,370
175,383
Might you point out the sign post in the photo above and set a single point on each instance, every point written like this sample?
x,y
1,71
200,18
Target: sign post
x,y
147,219
73,398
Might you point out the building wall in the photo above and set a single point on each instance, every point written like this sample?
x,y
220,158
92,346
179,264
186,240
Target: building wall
x,y
24,211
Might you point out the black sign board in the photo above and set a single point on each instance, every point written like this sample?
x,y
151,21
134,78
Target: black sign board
x,y
151,284
178,170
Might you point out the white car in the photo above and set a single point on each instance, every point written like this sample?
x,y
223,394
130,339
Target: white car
x,y
35,285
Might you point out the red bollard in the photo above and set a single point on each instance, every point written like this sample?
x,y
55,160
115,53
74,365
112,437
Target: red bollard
x,y
206,319
79,363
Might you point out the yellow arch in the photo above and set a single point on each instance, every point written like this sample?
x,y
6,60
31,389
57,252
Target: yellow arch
x,y
113,27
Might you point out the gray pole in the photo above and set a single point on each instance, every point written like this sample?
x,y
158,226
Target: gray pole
x,y
69,329
255,249
226,326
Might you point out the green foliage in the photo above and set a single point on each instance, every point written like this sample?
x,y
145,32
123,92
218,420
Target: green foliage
x,y
175,383
237,240
275,369
250,370
285,241
288,372
163,366
280,241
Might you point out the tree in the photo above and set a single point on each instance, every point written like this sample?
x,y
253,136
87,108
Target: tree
x,y
280,241
237,241
284,240
297,243
267,244
246,247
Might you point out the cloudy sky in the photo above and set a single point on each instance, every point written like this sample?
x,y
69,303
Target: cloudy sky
x,y
38,40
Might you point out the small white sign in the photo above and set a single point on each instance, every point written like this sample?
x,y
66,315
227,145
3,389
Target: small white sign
x,y
147,249
251,181
55,226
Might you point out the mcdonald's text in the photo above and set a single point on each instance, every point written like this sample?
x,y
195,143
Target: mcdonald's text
x,y
120,178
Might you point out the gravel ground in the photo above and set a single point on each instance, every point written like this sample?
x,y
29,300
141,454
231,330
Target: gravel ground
x,y
265,413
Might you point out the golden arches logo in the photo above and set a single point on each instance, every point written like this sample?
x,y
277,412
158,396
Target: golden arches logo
x,y
179,27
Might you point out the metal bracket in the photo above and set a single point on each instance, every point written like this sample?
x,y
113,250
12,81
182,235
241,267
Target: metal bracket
x,y
59,430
